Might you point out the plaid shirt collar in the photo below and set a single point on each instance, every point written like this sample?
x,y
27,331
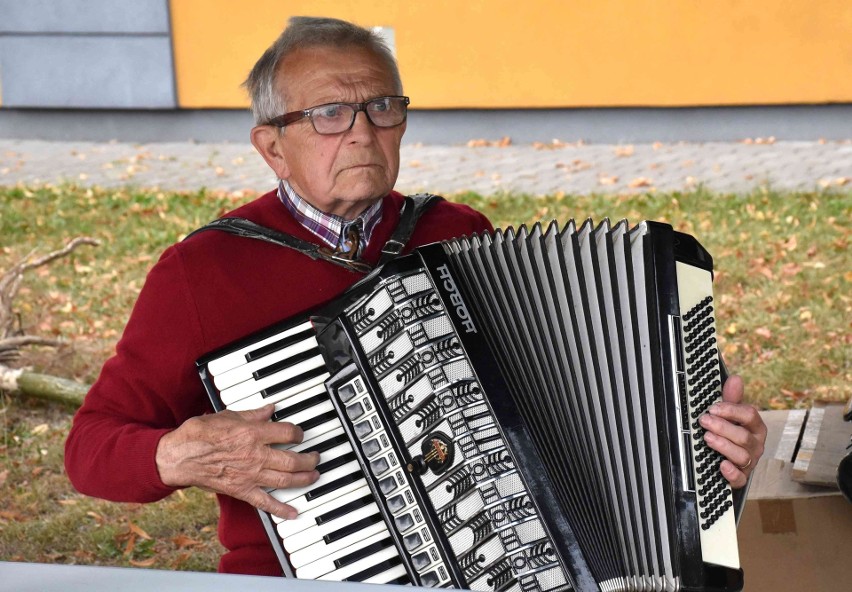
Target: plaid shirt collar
x,y
329,228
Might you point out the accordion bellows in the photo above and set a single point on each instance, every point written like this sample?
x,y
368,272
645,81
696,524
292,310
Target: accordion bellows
x,y
514,411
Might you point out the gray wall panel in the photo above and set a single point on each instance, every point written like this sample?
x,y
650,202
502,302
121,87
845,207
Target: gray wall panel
x,y
91,72
84,16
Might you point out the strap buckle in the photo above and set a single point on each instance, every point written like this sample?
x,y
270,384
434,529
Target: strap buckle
x,y
393,247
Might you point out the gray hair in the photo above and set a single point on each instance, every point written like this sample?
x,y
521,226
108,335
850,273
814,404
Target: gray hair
x,y
305,31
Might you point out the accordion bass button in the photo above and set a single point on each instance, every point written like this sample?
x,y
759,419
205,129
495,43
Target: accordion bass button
x,y
412,541
363,429
404,522
355,411
421,560
346,392
379,466
430,579
388,485
372,447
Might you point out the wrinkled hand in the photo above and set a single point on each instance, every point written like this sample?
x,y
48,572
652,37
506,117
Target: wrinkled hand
x,y
232,453
736,431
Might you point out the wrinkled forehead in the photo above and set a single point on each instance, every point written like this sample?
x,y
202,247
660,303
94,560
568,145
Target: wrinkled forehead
x,y
317,75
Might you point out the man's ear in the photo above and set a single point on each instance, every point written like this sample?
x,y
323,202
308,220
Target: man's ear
x,y
265,139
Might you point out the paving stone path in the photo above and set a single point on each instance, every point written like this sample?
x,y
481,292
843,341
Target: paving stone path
x,y
487,168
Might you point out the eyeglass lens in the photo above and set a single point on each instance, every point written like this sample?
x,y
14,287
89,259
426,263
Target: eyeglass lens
x,y
339,117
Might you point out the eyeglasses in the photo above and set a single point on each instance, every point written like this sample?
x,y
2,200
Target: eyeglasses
x,y
336,118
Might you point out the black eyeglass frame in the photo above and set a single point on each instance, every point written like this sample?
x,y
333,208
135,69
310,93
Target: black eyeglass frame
x,y
294,116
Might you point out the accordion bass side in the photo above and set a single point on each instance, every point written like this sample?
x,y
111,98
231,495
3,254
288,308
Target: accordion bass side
x,y
514,411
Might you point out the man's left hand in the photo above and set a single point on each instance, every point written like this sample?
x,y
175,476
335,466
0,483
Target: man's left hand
x,y
736,431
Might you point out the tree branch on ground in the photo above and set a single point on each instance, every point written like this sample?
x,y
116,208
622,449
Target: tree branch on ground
x,y
12,337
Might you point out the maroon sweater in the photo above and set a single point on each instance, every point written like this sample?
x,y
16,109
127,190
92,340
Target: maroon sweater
x,y
202,294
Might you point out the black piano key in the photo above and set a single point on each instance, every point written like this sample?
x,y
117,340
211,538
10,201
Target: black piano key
x,y
344,509
375,570
336,462
286,412
318,420
327,444
401,580
286,363
329,487
279,345
362,553
352,528
284,385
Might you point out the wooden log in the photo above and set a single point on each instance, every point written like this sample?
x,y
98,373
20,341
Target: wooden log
x,y
43,386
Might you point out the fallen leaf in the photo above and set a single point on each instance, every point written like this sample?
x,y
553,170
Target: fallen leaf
x,y
40,429
138,531
182,541
143,563
641,182
763,332
791,243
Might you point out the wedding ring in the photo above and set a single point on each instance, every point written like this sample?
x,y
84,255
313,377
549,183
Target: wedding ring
x,y
745,466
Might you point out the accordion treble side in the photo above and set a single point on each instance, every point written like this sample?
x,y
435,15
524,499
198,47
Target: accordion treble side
x,y
510,411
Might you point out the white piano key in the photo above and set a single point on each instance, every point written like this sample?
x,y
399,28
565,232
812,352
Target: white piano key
x,y
341,574
303,416
314,385
308,519
238,357
313,535
332,432
286,495
322,549
303,504
321,429
247,370
335,453
248,388
325,564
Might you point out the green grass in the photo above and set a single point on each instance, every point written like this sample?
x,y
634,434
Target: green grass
x,y
783,279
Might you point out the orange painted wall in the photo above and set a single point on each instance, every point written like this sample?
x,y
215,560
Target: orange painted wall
x,y
549,53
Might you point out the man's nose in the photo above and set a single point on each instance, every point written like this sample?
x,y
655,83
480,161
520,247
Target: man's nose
x,y
362,126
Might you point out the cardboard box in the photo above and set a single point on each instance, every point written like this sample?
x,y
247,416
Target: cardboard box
x,y
792,535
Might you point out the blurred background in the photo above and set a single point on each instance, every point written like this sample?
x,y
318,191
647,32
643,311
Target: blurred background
x,y
604,71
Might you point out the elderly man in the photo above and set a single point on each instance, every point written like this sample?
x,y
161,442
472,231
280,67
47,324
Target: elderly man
x,y
327,99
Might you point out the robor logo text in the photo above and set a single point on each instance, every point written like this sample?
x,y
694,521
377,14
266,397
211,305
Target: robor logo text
x,y
456,299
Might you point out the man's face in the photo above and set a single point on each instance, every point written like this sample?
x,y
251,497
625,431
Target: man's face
x,y
342,174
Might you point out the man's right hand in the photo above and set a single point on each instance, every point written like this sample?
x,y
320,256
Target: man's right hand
x,y
231,453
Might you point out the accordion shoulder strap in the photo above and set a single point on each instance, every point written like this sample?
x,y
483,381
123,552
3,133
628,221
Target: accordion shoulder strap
x,y
412,208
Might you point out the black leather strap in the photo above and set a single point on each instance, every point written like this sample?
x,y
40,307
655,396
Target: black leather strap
x,y
412,208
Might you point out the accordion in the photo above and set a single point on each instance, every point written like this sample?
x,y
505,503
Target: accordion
x,y
514,411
